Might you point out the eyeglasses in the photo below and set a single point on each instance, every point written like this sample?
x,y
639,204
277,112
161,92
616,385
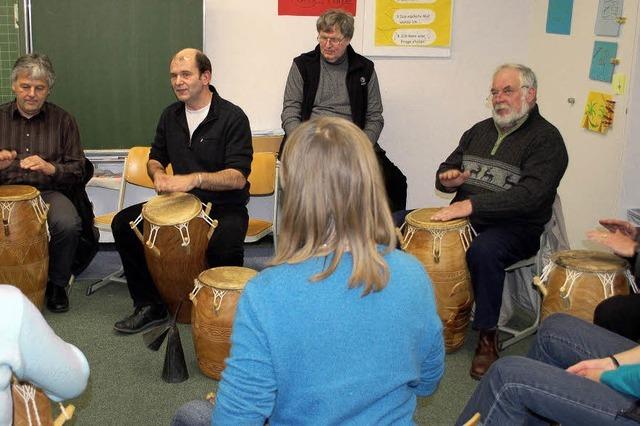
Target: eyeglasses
x,y
507,91
330,40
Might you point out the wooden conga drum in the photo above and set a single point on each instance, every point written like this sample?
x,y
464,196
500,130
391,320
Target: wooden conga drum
x,y
31,407
215,299
576,281
24,241
441,247
176,234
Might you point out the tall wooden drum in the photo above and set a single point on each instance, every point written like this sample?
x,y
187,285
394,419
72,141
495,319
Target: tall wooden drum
x,y
576,281
24,241
441,247
215,298
176,234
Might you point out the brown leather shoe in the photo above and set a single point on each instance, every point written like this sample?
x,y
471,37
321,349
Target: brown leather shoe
x,y
486,353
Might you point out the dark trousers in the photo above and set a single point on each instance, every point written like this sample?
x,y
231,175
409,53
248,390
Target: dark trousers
x,y
395,182
621,315
490,253
226,248
64,227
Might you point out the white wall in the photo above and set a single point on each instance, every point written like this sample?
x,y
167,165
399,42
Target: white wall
x,y
430,102
592,184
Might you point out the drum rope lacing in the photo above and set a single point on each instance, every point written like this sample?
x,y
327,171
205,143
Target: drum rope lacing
x,y
631,280
7,207
28,394
466,234
218,295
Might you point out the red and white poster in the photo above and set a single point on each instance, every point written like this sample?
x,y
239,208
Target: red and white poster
x,y
314,7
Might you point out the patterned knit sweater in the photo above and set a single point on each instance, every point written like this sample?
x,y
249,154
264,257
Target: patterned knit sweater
x,y
516,184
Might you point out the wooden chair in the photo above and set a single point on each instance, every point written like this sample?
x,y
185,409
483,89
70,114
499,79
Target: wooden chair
x,y
263,180
134,173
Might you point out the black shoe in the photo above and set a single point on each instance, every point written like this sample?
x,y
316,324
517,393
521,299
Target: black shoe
x,y
57,299
143,317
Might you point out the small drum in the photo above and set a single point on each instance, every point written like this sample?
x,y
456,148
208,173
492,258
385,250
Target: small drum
x,y
441,247
176,233
24,241
215,298
577,280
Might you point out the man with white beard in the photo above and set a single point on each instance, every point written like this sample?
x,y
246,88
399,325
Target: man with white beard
x,y
505,173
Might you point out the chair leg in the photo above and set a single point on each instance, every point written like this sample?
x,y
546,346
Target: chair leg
x,y
117,276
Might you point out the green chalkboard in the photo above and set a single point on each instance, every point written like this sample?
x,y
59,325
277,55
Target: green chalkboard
x,y
111,59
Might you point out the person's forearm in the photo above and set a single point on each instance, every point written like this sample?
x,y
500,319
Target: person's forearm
x,y
632,356
224,180
153,167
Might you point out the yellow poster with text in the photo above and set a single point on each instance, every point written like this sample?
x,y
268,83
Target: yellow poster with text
x,y
413,23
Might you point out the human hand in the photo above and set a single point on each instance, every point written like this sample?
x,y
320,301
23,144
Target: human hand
x,y
174,183
454,211
37,164
453,178
6,158
592,369
623,226
618,241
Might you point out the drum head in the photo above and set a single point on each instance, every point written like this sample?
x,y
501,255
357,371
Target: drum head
x,y
171,209
18,192
589,261
227,277
421,218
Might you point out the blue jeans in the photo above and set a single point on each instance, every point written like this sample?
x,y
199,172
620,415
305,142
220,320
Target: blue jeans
x,y
193,413
537,390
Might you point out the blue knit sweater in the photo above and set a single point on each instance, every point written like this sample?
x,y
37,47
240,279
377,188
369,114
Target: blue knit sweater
x,y
319,353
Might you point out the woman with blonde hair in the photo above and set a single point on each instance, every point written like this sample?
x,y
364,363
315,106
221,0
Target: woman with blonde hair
x,y
342,329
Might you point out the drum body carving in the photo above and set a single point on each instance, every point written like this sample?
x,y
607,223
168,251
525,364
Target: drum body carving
x,y
24,241
176,235
441,247
215,299
577,280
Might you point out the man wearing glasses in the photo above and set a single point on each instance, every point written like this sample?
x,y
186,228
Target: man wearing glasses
x,y
334,80
505,173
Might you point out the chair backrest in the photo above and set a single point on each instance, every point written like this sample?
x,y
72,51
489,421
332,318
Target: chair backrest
x,y
263,173
135,171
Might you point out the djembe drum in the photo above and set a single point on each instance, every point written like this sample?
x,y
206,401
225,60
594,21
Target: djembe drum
x,y
24,241
31,407
441,247
215,298
176,234
577,280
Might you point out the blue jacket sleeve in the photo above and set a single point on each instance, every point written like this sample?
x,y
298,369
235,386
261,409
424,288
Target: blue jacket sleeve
x,y
432,367
246,394
624,379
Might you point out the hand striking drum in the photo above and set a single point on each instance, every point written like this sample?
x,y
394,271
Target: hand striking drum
x,y
177,229
441,247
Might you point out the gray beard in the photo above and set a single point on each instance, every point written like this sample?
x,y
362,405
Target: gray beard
x,y
510,120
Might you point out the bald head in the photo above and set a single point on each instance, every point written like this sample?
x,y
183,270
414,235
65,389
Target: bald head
x,y
190,56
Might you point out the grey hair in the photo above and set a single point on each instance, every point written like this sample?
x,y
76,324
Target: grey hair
x,y
336,17
36,66
527,76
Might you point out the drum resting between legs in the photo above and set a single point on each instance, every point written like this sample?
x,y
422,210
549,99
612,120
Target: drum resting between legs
x,y
207,141
504,174
41,148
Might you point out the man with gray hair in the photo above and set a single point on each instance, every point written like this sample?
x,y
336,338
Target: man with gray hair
x,y
40,146
334,80
505,173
